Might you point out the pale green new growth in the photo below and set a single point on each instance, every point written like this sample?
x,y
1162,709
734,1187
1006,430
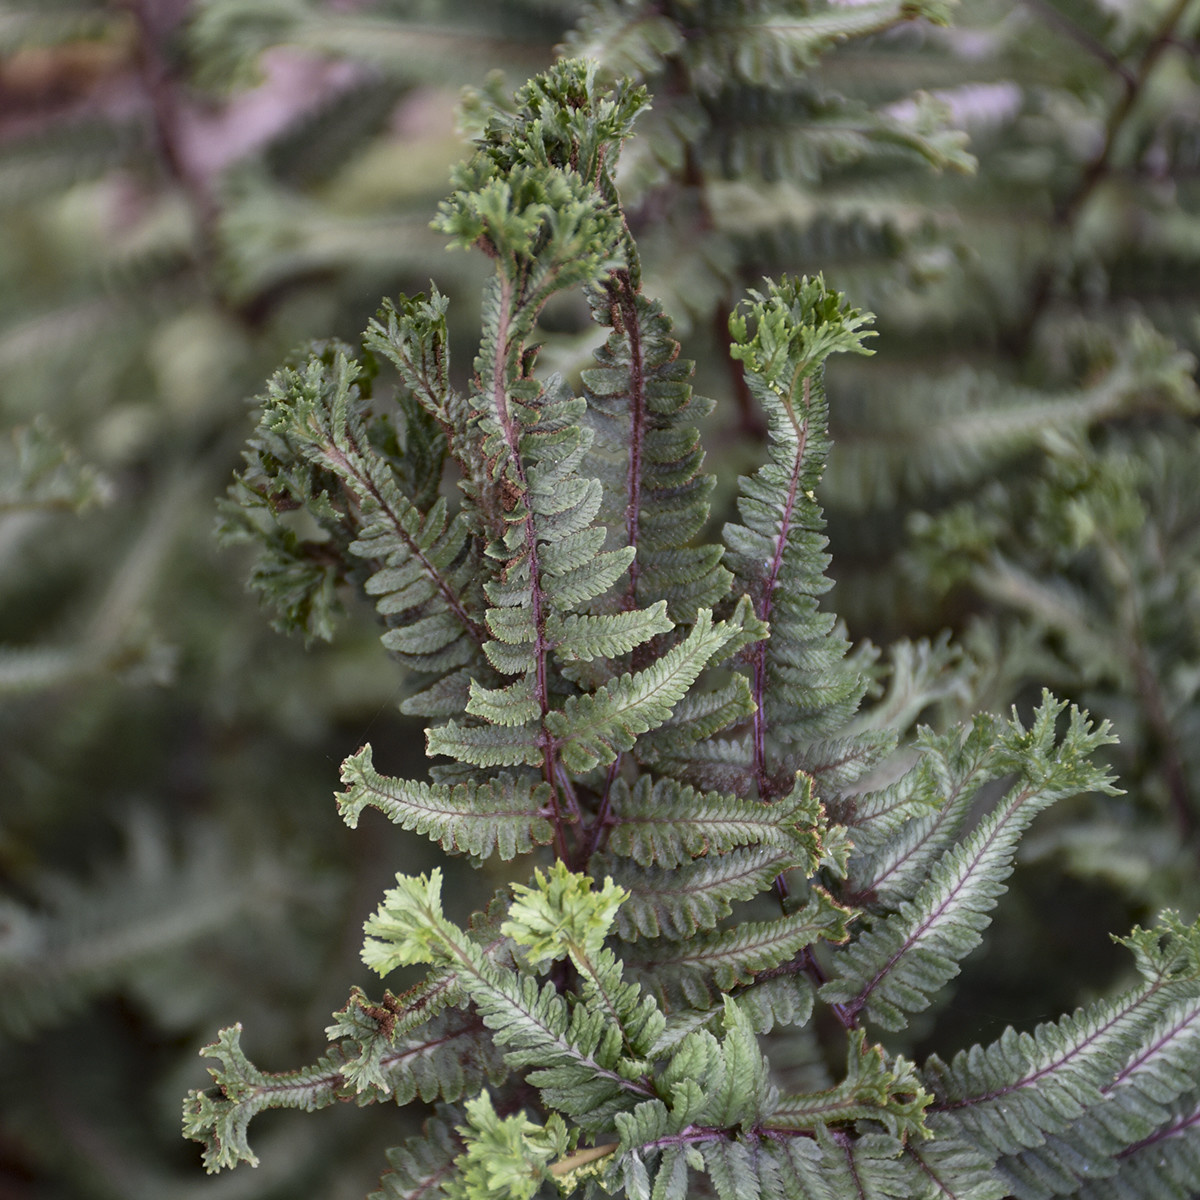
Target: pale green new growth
x,y
719,841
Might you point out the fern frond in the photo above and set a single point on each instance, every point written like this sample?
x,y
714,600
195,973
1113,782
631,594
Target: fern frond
x,y
692,971
697,895
1104,1079
765,48
649,456
575,1054
901,838
83,936
803,687
667,823
873,1088
592,729
314,448
505,816
902,959
802,134
39,473
973,423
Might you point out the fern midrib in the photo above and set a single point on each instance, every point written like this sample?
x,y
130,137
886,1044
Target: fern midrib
x,y
424,790
938,1182
626,304
335,1079
766,791
1135,1064
1054,1065
1178,1126
715,885
720,954
505,353
943,816
453,602
859,1002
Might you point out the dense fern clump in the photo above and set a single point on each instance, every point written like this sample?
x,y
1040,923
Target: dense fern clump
x,y
722,862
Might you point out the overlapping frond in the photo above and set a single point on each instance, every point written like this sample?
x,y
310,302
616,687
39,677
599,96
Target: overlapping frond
x,y
648,452
421,1163
697,971
905,957
1077,1099
803,687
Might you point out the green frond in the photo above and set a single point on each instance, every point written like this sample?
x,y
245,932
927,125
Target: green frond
x,y
691,972
698,895
575,1054
804,687
318,446
1067,1103
648,453
406,1048
1166,1162
905,957
973,423
608,636
833,1165
592,729
504,1158
665,823
873,1088
803,134
505,816
953,1170
487,745
560,915
221,1123
899,837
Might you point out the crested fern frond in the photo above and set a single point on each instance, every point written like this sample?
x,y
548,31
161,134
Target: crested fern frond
x,y
505,816
573,1053
600,1023
873,1088
905,957
315,447
803,687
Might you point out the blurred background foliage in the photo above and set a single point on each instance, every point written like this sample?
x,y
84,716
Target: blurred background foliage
x,y
192,189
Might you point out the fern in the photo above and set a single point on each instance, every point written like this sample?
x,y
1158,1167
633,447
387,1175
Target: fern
x,y
720,840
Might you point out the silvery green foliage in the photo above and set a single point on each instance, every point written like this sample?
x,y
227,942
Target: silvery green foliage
x,y
709,842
